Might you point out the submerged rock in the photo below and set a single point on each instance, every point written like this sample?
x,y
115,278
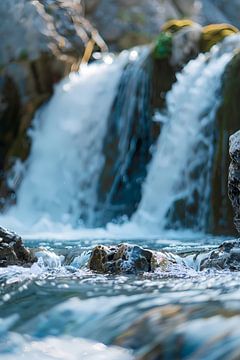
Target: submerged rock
x,y
126,258
234,177
12,250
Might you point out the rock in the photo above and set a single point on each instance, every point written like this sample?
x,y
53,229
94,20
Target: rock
x,y
185,39
126,258
127,23
185,44
12,250
42,41
234,177
227,123
225,257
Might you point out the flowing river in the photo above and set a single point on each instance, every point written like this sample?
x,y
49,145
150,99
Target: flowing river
x,y
59,309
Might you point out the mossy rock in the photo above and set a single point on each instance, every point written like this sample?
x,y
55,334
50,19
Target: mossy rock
x,y
214,33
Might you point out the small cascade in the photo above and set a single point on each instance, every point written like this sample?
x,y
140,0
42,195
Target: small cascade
x,y
177,190
62,172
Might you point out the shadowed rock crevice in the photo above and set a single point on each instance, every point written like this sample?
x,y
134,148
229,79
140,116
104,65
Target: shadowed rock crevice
x,y
234,177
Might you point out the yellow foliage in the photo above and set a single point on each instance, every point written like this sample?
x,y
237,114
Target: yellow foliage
x,y
214,33
173,26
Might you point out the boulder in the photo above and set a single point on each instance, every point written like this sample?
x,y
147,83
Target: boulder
x,y
130,259
234,177
12,250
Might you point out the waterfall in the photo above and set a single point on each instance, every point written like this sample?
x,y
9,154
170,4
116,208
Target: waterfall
x,y
66,157
177,190
62,175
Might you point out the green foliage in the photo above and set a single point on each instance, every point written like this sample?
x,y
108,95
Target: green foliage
x,y
163,47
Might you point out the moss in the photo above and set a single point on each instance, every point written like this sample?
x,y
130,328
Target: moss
x,y
163,46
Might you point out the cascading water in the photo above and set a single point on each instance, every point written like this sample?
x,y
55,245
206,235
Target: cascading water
x,y
57,307
62,173
66,156
177,190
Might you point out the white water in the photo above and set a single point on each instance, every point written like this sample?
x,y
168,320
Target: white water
x,y
66,156
186,144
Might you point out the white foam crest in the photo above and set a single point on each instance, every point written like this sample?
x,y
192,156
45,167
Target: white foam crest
x,y
62,348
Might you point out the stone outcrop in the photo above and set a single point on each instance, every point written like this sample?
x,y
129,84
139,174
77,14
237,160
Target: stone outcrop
x,y
12,250
234,177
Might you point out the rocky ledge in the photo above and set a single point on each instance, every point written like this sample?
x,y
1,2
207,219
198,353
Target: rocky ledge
x,y
234,177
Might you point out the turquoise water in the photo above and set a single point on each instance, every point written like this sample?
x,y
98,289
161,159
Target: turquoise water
x,y
50,301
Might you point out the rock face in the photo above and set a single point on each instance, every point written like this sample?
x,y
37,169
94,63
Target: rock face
x,y
12,250
234,177
42,41
126,258
227,123
127,23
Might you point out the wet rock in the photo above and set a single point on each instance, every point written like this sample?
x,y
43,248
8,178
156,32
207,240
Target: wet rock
x,y
225,257
12,250
126,258
227,123
234,177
